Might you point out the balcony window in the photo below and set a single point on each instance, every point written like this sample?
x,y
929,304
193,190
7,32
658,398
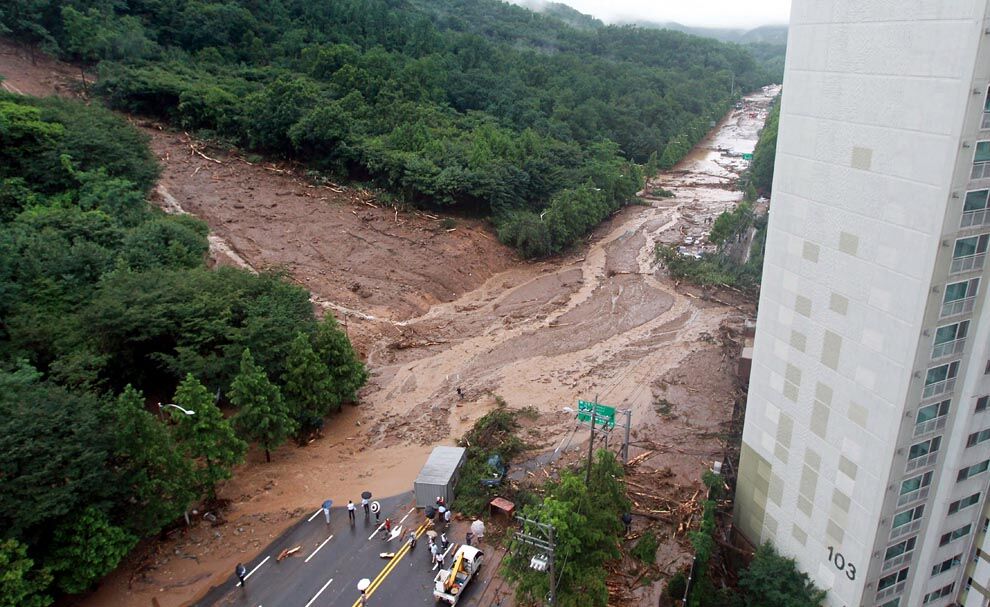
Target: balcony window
x,y
952,536
969,253
964,503
981,403
914,488
978,437
975,209
894,578
981,161
908,516
985,121
899,553
942,592
940,379
950,340
971,471
931,417
895,603
924,448
946,565
959,297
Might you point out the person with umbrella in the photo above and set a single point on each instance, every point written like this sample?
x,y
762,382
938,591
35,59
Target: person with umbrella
x,y
326,509
365,496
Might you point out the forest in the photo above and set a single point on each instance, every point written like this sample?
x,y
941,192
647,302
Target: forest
x,y
107,308
472,106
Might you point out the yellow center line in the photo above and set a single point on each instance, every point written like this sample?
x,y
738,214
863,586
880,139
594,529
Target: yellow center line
x,y
391,565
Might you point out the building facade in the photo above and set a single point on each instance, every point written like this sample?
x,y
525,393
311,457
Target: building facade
x,y
866,445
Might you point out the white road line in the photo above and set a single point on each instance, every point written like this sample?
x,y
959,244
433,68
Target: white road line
x,y
256,568
315,514
375,532
318,549
317,595
402,520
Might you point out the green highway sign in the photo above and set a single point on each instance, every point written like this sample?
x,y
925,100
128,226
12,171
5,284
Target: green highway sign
x,y
747,156
604,415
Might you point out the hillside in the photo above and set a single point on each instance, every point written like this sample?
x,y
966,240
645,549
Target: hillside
x,y
476,106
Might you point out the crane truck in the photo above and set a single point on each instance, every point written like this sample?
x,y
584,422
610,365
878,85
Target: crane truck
x,y
449,584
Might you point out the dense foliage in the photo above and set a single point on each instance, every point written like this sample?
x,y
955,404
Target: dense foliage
x,y
495,433
475,105
761,170
104,300
587,520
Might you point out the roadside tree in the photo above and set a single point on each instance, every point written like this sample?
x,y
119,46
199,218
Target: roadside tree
x,y
263,416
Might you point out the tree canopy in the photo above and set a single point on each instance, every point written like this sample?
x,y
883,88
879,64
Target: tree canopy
x,y
472,105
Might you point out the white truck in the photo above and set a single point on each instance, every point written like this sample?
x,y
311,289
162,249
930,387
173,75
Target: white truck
x,y
449,584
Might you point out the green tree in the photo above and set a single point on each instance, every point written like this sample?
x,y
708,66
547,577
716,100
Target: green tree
x,y
87,547
761,168
206,435
587,524
347,372
772,580
306,382
263,416
152,471
21,584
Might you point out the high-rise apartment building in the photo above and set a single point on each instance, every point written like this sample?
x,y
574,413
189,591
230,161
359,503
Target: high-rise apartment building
x,y
867,440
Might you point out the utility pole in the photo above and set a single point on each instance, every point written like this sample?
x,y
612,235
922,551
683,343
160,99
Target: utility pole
x,y
591,444
546,544
625,443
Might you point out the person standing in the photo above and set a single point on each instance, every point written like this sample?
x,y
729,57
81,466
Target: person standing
x,y
241,572
367,508
442,514
446,518
387,528
364,599
326,509
468,538
350,511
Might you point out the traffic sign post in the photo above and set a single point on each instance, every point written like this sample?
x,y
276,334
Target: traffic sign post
x,y
604,415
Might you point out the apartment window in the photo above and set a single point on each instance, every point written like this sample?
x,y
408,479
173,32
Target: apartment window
x,y
946,565
900,548
942,592
981,403
941,379
907,516
895,603
975,209
950,339
985,121
969,253
924,448
931,417
954,535
916,482
981,158
959,297
894,578
978,437
965,502
971,471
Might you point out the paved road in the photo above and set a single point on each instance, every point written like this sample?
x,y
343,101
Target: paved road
x,y
325,572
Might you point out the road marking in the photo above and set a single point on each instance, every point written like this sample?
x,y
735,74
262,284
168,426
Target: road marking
x,y
390,566
318,548
406,516
445,552
317,595
255,568
315,514
375,532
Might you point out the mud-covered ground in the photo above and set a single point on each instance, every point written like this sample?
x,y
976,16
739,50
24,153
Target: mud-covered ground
x,y
433,308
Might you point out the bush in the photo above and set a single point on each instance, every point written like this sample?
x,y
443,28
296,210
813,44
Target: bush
x,y
676,586
646,548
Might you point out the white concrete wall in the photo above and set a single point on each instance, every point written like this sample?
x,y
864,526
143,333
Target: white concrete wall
x,y
873,106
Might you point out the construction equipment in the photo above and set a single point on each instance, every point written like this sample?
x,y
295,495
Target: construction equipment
x,y
449,584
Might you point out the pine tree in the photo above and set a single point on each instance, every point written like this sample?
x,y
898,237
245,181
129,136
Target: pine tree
x,y
308,389
206,435
347,372
263,416
156,475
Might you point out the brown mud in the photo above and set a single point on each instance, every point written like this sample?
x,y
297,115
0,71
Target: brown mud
x,y
433,309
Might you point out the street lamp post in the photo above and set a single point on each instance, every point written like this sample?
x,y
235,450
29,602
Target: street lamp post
x,y
162,407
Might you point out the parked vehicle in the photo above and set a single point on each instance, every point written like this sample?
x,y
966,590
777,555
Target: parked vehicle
x,y
449,585
495,470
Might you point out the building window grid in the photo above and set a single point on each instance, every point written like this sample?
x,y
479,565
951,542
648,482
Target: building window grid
x,y
940,379
978,437
981,404
892,584
942,592
959,297
914,489
900,553
981,161
931,418
962,504
949,340
946,565
971,471
948,538
923,454
975,213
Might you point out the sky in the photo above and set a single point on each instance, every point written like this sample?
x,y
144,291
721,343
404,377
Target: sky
x,y
706,13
